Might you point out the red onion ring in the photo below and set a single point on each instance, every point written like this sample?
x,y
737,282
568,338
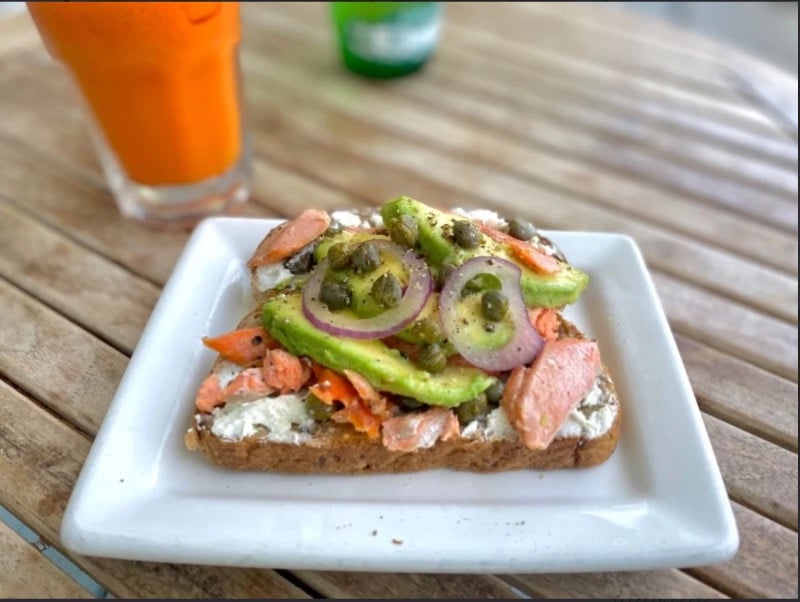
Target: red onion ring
x,y
420,284
525,342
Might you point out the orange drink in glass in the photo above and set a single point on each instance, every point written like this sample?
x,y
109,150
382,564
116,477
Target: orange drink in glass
x,y
161,85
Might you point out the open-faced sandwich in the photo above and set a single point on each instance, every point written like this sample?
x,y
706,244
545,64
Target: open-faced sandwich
x,y
402,340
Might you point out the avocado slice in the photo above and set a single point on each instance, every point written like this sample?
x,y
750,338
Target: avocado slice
x,y
383,367
539,290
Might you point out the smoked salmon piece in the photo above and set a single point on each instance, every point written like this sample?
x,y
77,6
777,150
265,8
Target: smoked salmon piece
x,y
538,398
243,346
288,238
209,395
419,431
285,372
377,403
332,387
528,254
248,382
545,321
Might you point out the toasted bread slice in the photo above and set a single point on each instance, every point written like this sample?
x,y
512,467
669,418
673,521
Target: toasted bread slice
x,y
339,448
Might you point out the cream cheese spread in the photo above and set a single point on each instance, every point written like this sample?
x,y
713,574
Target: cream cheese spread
x,y
358,218
268,276
283,419
485,216
591,418
226,371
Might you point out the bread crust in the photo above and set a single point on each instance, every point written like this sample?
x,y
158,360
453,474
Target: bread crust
x,y
339,449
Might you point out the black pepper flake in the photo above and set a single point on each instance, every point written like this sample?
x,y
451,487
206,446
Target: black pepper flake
x,y
257,340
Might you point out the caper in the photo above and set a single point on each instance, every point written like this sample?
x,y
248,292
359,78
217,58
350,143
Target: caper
x,y
495,392
432,358
470,410
336,295
319,410
365,258
494,305
409,403
302,261
480,283
339,256
427,330
386,290
466,235
520,229
445,271
404,231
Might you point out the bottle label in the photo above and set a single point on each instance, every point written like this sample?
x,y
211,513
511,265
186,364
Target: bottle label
x,y
408,35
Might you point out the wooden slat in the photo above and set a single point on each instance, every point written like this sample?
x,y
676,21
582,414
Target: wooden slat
x,y
741,394
90,290
40,461
757,474
460,136
88,214
708,318
74,373
26,573
408,586
765,565
641,584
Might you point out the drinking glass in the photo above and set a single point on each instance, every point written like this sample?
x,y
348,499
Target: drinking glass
x,y
161,85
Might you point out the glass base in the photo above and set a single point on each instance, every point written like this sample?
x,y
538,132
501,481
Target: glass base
x,y
175,207
183,206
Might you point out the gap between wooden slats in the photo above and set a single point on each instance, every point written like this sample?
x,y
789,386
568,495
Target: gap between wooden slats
x,y
26,573
520,124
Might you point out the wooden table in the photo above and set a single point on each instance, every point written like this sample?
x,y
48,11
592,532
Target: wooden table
x,y
579,117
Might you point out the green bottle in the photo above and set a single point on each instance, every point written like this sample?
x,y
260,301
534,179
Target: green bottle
x,y
386,39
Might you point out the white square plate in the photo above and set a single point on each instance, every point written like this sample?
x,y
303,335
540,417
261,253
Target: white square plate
x,y
658,502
